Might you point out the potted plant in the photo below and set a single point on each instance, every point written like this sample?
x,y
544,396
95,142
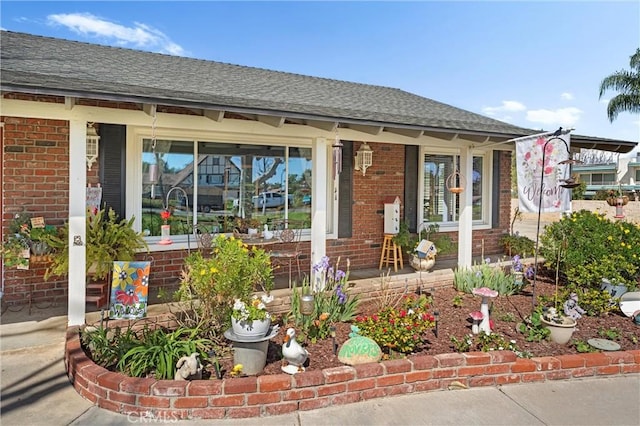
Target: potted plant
x,y
251,319
107,240
227,278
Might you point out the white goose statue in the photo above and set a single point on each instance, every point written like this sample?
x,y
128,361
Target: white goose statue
x,y
295,354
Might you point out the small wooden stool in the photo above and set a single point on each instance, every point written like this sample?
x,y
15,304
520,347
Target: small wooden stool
x,y
391,252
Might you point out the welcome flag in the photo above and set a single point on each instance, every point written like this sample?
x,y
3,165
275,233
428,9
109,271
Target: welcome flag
x,y
537,180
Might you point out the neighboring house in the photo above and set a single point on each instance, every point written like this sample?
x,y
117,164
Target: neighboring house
x,y
158,112
625,175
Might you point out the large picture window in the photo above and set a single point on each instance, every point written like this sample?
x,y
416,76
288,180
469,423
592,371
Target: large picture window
x,y
441,206
223,186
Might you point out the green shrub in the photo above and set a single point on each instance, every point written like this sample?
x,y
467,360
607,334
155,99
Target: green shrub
x,y
108,345
595,302
517,244
592,247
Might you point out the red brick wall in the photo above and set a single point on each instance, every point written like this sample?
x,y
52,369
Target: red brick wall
x,y
271,395
35,180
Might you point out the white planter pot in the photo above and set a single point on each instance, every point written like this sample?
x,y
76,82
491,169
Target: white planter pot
x,y
258,328
560,333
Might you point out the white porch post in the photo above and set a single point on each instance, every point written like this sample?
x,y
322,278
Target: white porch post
x,y
77,221
319,197
465,241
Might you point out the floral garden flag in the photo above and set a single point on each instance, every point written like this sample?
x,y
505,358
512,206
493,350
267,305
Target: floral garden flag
x,y
129,290
532,183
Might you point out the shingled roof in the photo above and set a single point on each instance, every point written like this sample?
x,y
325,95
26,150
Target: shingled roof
x,y
37,64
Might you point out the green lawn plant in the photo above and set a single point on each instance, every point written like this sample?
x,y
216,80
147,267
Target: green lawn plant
x,y
399,329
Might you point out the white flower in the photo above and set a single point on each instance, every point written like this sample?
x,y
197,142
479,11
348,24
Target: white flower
x,y
261,306
410,311
238,305
267,299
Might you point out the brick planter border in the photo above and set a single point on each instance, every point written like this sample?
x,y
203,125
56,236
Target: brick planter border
x,y
272,395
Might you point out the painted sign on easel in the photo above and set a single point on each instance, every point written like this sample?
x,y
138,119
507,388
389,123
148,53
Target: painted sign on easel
x,y
94,197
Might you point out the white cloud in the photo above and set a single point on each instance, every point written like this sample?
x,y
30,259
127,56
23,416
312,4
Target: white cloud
x,y
562,116
566,96
507,106
140,35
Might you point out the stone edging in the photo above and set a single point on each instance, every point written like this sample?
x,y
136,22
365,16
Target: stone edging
x,y
272,395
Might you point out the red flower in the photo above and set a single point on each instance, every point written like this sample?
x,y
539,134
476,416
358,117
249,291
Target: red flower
x,y
165,215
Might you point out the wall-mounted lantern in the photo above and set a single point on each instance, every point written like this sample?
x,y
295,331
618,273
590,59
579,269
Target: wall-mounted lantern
x,y
92,145
364,158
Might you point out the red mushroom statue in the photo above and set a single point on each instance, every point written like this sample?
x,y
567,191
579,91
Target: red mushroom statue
x,y
486,294
476,317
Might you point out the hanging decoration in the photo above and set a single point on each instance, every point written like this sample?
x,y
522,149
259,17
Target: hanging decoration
x,y
456,182
337,155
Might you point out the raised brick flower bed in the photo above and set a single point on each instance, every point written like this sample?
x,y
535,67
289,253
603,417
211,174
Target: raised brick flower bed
x,y
271,395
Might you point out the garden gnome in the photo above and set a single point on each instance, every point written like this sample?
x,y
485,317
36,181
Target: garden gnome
x,y
188,368
571,307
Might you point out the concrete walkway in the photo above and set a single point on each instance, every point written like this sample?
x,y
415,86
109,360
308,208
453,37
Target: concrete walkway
x,y
35,391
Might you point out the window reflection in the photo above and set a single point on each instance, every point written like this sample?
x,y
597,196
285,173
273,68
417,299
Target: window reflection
x,y
236,186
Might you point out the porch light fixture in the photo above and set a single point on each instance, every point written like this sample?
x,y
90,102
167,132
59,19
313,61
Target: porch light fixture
x,y
364,158
92,145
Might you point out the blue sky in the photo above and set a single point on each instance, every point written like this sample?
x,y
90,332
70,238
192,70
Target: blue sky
x,y
534,64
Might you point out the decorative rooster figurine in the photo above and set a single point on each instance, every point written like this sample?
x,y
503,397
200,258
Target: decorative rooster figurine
x,y
295,354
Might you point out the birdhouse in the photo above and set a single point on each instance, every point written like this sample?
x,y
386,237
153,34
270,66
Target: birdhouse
x,y
392,215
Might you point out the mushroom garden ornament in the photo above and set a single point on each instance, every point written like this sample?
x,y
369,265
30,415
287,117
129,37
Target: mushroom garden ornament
x,y
486,294
476,317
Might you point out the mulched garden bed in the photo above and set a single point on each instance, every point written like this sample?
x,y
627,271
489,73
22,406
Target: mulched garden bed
x,y
507,313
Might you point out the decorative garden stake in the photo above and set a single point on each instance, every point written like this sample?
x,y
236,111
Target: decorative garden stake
x,y
332,330
436,315
486,294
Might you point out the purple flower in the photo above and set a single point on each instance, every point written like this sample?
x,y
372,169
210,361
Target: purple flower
x,y
321,266
342,298
530,272
517,265
487,260
340,275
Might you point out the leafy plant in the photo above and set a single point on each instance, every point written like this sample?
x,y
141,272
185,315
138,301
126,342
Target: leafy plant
x,y
107,239
332,302
532,328
595,302
157,352
399,329
256,309
485,275
462,345
582,346
487,342
457,301
233,272
591,247
610,333
108,345
517,244
13,252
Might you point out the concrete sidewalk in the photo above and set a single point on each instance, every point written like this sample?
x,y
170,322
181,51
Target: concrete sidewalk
x,y
35,391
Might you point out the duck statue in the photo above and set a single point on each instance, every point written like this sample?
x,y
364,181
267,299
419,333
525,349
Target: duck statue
x,y
293,353
266,234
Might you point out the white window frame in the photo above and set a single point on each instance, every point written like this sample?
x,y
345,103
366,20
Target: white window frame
x,y
135,136
487,179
